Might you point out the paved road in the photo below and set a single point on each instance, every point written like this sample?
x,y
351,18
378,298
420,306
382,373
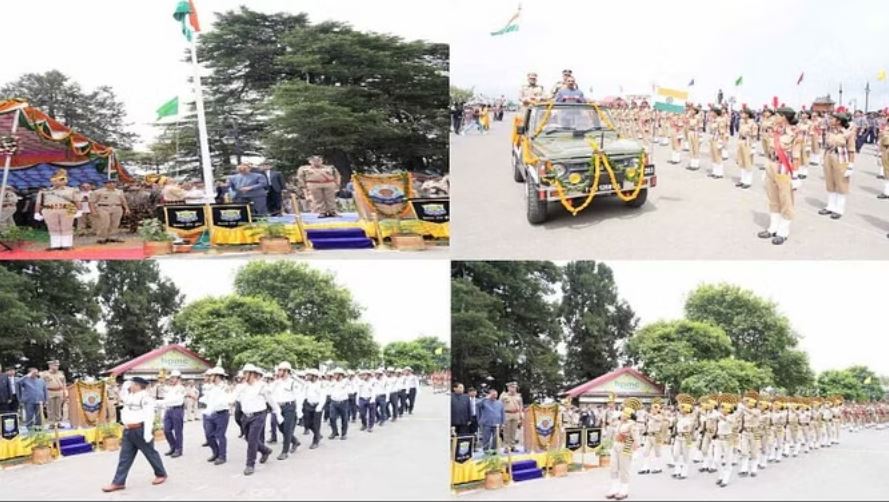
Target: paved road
x,y
854,470
401,461
687,216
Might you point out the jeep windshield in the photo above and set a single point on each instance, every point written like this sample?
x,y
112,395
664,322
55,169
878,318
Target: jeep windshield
x,y
569,120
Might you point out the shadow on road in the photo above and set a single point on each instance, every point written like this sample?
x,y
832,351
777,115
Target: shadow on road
x,y
879,223
598,211
761,219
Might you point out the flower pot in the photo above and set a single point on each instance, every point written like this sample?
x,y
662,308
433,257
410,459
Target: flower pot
x,y
159,435
560,470
408,242
41,455
493,481
275,245
604,461
111,443
157,248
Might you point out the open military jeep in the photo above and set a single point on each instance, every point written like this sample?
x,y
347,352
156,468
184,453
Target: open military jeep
x,y
555,152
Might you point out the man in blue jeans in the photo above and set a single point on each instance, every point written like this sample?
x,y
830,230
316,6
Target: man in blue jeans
x,y
174,416
491,416
33,395
137,416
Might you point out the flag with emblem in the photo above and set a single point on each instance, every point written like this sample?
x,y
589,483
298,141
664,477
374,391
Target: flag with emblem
x,y
511,26
670,100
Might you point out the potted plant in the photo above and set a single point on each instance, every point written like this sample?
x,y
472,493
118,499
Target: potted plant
x,y
156,239
406,241
558,461
109,434
493,464
273,237
604,452
13,236
158,429
40,441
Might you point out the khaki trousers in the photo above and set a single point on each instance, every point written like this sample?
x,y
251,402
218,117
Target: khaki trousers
x,y
694,141
834,174
779,192
108,221
54,407
510,429
744,155
715,150
6,217
59,222
884,156
323,197
620,465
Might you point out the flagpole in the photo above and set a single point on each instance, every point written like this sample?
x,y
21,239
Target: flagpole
x,y
209,185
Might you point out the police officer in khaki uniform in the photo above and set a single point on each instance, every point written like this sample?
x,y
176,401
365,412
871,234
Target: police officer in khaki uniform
x,y
109,205
694,126
513,406
779,173
58,207
531,92
839,157
56,389
8,208
320,182
746,136
884,159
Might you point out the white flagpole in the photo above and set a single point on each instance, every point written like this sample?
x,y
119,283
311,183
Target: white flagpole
x,y
209,185
6,166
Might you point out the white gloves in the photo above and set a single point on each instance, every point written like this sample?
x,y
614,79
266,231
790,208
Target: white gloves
x,y
795,183
279,419
38,217
319,407
147,434
78,214
848,172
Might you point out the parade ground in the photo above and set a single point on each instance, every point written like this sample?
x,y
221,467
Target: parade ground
x,y
401,461
687,216
853,470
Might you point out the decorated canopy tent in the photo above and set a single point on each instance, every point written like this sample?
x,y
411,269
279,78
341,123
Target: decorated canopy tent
x,y
42,145
163,360
623,382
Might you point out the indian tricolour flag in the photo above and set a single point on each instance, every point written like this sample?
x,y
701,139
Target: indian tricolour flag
x,y
670,100
511,25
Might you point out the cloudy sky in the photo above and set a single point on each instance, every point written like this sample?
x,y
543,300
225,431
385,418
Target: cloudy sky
x,y
402,299
632,43
136,47
838,307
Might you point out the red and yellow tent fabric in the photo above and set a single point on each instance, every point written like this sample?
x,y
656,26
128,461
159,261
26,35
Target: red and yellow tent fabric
x,y
44,140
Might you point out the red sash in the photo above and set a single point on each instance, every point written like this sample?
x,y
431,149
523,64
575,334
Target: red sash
x,y
782,155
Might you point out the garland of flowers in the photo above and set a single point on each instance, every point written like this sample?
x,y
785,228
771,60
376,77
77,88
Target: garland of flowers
x,y
406,185
566,202
640,176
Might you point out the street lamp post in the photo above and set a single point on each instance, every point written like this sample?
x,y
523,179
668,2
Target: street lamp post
x,y
866,97
841,94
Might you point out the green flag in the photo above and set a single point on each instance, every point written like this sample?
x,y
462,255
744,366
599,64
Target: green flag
x,y
739,81
511,25
168,109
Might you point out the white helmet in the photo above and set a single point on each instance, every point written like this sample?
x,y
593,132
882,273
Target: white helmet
x,y
250,368
285,366
175,374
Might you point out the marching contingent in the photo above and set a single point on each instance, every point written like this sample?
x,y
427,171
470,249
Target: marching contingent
x,y
722,431
256,399
787,141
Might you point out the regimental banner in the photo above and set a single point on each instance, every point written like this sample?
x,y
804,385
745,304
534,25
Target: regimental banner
x,y
385,194
9,426
574,438
230,215
593,438
543,426
90,403
184,220
437,210
464,448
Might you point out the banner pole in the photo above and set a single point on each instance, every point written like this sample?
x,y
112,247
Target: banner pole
x,y
453,456
299,221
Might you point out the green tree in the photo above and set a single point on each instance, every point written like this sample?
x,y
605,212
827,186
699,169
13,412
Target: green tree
x,y
670,351
759,333
18,319
793,370
870,382
97,114
299,350
137,306
62,319
441,353
596,321
314,304
725,375
221,327
400,354
523,329
459,95
841,382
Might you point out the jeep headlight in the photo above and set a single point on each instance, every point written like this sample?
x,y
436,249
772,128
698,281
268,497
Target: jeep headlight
x,y
559,170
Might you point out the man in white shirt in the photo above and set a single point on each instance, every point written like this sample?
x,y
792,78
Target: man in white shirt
x,y
339,404
401,389
366,401
284,392
217,402
255,397
392,393
413,385
381,395
174,414
137,416
353,382
313,406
